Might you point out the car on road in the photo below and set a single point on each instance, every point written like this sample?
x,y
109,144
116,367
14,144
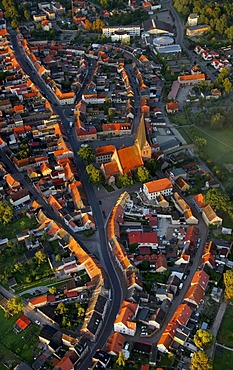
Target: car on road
x,y
104,214
37,322
100,202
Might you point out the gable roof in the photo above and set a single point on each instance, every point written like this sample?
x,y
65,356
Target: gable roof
x,y
130,158
158,185
115,343
23,322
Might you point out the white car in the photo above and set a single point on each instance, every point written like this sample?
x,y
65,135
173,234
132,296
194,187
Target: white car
x,y
37,322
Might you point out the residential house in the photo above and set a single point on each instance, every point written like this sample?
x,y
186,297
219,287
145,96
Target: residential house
x,y
124,321
210,217
198,285
182,184
19,197
153,188
143,238
172,107
191,79
115,344
180,317
104,154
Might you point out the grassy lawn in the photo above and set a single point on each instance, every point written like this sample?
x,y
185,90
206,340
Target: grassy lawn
x,y
17,345
13,228
225,334
186,137
216,150
222,359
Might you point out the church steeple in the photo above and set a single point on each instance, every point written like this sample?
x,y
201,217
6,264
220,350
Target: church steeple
x,y
141,140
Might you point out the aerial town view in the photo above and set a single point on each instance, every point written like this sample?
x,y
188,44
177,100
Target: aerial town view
x,y
116,184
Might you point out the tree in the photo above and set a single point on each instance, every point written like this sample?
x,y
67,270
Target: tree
x,y
200,142
81,311
228,281
61,309
87,153
142,174
217,121
153,166
217,199
95,175
26,14
203,339
6,212
124,180
121,359
227,85
40,257
15,304
52,290
201,361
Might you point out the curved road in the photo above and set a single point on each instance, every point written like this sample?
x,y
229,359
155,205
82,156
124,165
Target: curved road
x,y
114,275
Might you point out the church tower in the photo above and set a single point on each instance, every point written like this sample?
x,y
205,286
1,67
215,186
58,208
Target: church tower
x,y
141,140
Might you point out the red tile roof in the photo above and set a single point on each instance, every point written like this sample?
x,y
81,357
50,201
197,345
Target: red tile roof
x,y
23,322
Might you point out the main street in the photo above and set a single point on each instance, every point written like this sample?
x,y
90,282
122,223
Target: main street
x,y
115,276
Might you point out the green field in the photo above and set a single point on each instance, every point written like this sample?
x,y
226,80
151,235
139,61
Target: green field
x,y
223,359
14,346
225,334
219,144
13,228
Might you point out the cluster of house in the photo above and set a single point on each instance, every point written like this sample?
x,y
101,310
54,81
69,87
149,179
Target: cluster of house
x,y
217,61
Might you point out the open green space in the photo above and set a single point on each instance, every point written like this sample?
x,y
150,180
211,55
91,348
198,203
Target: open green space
x,y
13,228
185,135
219,144
225,334
223,359
14,345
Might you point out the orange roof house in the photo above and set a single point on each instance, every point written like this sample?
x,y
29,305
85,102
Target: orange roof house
x,y
38,301
110,169
65,364
115,344
180,317
11,182
22,323
19,108
191,79
130,158
123,322
172,107
199,201
198,285
153,188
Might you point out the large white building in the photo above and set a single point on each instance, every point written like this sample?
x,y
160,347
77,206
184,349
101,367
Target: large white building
x,y
154,188
131,30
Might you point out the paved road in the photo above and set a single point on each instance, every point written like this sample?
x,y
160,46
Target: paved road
x,y
115,277
180,27
217,323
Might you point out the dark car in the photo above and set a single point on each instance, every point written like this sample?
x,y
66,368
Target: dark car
x,y
100,202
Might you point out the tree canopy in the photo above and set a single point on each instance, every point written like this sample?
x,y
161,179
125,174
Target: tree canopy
x,y
201,361
203,338
87,153
95,175
228,281
200,142
6,212
15,304
124,180
217,15
142,174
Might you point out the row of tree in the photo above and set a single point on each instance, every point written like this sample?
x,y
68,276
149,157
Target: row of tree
x,y
16,12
